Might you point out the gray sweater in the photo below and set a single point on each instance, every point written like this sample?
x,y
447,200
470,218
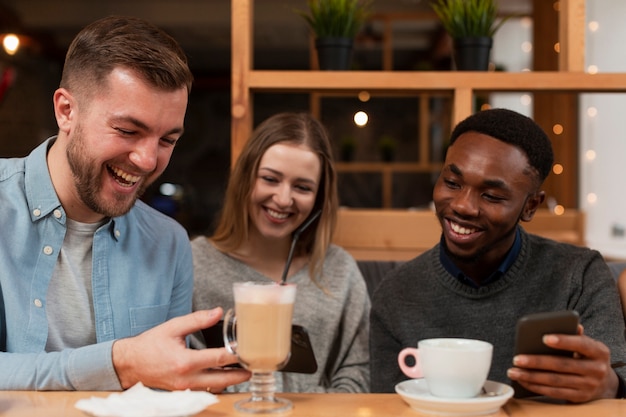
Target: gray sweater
x,y
337,321
421,300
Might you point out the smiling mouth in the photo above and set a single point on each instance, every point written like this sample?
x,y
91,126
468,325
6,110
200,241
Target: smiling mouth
x,y
276,214
456,228
123,178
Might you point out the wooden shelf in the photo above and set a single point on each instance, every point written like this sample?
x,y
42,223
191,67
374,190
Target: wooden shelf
x,y
410,82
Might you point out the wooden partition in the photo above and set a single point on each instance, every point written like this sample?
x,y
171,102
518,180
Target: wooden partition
x,y
402,234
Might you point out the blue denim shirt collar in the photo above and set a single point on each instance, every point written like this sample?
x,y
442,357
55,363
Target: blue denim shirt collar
x,y
41,196
511,256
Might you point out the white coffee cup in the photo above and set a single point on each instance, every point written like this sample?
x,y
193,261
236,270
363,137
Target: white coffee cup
x,y
452,367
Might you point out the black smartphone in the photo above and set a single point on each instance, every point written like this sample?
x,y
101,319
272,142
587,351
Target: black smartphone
x,y
529,334
302,359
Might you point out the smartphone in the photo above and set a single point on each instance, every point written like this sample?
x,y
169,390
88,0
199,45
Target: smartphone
x,y
529,334
302,359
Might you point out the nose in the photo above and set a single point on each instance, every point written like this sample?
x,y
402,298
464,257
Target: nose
x,y
282,196
144,154
465,203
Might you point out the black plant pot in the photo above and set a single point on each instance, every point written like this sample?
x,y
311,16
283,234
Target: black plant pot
x,y
472,54
334,53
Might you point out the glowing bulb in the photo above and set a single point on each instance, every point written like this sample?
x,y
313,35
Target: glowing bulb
x,y
559,210
592,198
11,43
364,96
590,155
593,26
557,129
360,118
527,46
592,69
526,99
592,112
557,169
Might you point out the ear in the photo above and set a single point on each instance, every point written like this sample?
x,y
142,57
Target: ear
x,y
532,204
64,104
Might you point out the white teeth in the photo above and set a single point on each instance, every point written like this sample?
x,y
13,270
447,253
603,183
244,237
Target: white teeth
x,y
277,215
124,175
461,230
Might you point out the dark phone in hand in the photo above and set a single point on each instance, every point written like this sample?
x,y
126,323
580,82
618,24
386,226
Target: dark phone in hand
x,y
529,337
302,359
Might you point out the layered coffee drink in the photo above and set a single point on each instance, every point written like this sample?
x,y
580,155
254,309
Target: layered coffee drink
x,y
264,315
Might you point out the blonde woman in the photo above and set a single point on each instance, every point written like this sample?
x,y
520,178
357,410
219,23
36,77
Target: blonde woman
x,y
282,178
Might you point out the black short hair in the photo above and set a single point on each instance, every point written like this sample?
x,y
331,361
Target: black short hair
x,y
514,128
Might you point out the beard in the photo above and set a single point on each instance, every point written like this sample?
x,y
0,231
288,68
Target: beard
x,y
88,182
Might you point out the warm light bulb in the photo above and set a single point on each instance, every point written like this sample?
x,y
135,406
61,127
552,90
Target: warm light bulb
x,y
593,26
592,198
592,69
592,112
559,210
364,96
590,155
11,43
360,118
557,169
557,129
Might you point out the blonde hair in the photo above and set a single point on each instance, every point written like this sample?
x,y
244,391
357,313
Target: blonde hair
x,y
297,128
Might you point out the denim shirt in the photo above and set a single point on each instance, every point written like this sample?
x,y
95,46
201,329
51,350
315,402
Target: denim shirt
x,y
142,276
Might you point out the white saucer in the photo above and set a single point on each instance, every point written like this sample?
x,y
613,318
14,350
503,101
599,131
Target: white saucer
x,y
415,393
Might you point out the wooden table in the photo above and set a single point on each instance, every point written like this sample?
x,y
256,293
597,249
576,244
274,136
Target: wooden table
x,y
61,404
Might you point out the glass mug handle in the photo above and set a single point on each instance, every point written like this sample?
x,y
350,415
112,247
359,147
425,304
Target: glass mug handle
x,y
229,331
414,371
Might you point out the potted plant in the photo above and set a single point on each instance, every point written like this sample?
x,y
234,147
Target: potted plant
x,y
347,147
471,24
335,23
387,145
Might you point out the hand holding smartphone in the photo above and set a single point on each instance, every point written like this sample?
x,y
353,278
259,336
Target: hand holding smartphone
x,y
529,336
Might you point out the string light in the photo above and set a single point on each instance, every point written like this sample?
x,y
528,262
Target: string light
x,y
11,43
361,118
557,169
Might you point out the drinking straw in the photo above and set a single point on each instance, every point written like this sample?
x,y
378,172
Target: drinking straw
x,y
296,235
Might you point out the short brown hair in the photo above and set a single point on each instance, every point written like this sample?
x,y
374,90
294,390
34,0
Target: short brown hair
x,y
130,42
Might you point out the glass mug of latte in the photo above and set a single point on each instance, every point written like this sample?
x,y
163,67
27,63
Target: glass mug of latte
x,y
258,331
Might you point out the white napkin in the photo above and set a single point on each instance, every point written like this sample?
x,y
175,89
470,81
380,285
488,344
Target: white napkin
x,y
139,401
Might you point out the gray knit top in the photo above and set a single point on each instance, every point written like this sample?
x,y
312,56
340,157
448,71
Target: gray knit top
x,y
420,300
337,320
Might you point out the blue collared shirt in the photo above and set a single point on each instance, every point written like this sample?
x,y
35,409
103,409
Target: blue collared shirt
x,y
504,266
142,276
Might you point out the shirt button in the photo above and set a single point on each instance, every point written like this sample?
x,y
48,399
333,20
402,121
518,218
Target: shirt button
x,y
37,212
38,302
57,213
47,250
117,233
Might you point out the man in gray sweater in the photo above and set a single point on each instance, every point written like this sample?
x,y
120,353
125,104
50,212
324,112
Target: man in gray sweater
x,y
487,272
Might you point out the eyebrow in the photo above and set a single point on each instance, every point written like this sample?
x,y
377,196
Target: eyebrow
x,y
489,183
138,123
301,179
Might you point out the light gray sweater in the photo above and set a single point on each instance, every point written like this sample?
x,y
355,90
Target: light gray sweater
x,y
337,321
421,300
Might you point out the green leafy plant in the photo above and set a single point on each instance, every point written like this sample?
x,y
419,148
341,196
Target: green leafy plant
x,y
387,145
347,147
468,18
336,18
